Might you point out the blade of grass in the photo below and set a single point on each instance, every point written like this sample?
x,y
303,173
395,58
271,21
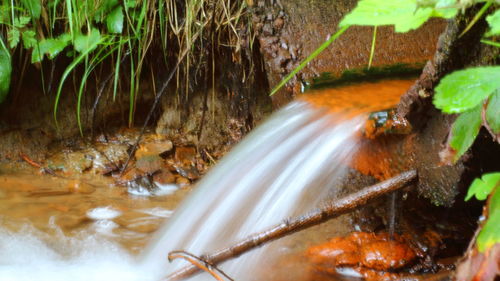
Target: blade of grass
x,y
372,49
88,70
492,43
308,59
476,17
117,70
65,75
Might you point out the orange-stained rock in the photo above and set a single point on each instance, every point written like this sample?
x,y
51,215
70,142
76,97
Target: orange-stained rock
x,y
368,253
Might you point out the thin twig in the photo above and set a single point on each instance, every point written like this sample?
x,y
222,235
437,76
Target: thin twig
x,y
199,263
292,225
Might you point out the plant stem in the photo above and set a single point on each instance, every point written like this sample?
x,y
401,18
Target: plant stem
x,y
308,59
372,50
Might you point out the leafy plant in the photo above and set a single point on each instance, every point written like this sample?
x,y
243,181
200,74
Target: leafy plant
x,y
92,32
481,188
472,93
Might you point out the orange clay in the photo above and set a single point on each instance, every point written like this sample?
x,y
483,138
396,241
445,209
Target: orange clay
x,y
360,98
368,253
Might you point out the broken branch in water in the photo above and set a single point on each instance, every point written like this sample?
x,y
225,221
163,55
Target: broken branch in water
x,y
292,225
199,263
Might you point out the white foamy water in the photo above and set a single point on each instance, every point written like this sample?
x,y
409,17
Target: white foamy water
x,y
282,169
28,255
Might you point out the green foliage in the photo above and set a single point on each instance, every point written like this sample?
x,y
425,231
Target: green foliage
x,y
88,42
51,47
13,37
34,7
465,89
5,71
29,40
493,112
494,22
490,232
114,21
405,15
482,187
464,131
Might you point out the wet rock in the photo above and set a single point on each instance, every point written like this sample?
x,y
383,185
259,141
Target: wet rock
x,y
189,172
142,186
185,155
369,250
182,181
164,177
154,148
130,175
149,164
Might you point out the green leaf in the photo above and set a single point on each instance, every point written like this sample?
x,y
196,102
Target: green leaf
x,y
21,21
29,39
464,130
493,112
490,233
494,22
442,9
5,72
13,37
403,14
114,21
34,7
482,187
105,7
86,43
464,89
52,47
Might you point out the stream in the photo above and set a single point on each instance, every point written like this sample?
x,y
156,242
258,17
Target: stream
x,y
86,227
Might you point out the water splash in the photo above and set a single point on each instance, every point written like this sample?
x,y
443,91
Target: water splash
x,y
284,168
281,169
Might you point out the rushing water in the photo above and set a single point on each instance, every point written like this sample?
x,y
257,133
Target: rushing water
x,y
280,170
283,168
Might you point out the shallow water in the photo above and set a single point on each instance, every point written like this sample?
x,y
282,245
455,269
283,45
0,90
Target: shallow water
x,y
50,230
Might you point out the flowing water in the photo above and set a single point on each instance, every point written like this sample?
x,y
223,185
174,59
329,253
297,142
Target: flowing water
x,y
285,167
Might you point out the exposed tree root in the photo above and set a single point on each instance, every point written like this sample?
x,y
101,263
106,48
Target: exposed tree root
x,y
292,225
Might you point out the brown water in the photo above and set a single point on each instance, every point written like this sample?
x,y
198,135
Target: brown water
x,y
86,220
73,205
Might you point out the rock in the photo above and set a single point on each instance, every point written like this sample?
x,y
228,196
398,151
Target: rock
x,y
149,164
164,177
182,181
189,172
185,155
154,148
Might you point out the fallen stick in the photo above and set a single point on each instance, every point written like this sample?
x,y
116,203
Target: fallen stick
x,y
292,225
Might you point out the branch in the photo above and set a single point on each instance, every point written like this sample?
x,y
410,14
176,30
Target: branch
x,y
292,225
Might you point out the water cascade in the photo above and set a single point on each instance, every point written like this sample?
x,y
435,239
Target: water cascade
x,y
284,168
